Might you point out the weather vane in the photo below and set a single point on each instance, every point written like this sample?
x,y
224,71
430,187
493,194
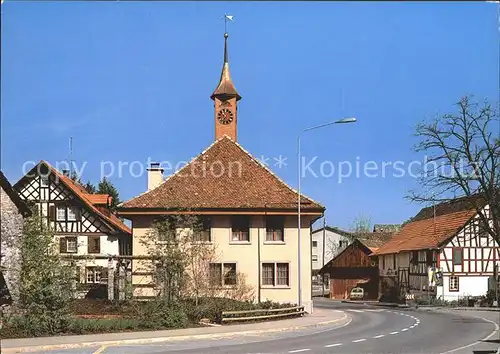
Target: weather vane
x,y
226,19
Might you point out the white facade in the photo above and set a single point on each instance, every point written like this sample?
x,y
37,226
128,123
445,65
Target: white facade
x,y
467,262
328,241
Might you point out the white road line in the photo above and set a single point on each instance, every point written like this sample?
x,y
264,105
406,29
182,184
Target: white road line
x,y
379,336
359,340
404,329
299,350
333,345
394,333
355,310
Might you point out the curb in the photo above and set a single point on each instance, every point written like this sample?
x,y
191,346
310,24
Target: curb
x,y
164,339
382,304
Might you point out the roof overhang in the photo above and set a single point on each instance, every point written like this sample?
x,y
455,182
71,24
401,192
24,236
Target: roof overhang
x,y
214,211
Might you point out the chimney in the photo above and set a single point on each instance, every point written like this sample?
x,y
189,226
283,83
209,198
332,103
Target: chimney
x,y
155,175
65,172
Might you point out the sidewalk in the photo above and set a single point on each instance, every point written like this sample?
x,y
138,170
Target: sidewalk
x,y
320,317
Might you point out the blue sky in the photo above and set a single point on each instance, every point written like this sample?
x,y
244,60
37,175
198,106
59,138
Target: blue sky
x,y
131,81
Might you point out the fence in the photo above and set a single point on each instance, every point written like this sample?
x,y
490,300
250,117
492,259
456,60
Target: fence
x,y
253,315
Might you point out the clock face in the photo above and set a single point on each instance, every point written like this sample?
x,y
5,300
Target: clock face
x,y
225,116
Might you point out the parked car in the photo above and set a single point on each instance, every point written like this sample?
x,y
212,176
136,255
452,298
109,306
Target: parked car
x,y
357,294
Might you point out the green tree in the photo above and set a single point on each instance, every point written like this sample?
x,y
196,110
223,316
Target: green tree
x,y
107,187
90,188
45,288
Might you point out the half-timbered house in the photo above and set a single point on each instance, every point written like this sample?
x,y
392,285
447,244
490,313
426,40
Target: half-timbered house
x,y
446,237
82,222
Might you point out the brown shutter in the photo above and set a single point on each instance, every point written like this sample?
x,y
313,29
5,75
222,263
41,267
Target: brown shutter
x,y
63,245
78,213
52,212
78,276
94,244
104,273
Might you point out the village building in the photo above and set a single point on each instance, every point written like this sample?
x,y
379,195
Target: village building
x,y
446,237
354,267
13,210
248,212
327,242
84,227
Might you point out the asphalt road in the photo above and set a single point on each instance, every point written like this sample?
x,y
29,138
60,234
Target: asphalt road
x,y
372,330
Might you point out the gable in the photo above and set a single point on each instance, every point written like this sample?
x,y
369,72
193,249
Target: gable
x,y
222,177
9,191
62,188
354,255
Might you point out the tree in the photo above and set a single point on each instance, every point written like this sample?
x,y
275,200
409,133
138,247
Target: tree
x,y
464,160
360,227
90,188
107,187
182,255
45,288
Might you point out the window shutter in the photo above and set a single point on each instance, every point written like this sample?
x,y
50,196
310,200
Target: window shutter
x,y
104,273
94,244
78,213
78,274
63,245
52,212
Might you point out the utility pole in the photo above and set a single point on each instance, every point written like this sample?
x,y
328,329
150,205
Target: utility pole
x,y
323,257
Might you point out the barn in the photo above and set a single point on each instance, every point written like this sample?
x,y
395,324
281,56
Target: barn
x,y
354,267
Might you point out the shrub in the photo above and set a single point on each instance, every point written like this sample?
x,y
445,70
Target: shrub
x,y
160,314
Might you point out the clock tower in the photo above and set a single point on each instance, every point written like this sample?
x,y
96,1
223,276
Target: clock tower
x,y
225,99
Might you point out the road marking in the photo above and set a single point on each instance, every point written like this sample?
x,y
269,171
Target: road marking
x,y
355,310
394,333
497,328
333,345
379,336
101,349
359,340
404,329
299,350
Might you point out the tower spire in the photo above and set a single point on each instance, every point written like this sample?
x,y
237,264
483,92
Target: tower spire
x,y
225,89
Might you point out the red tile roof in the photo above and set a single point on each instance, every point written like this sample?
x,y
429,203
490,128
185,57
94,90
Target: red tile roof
x,y
99,199
85,197
427,233
224,176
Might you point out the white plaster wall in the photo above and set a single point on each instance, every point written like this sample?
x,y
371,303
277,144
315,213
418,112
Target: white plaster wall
x,y
330,237
467,285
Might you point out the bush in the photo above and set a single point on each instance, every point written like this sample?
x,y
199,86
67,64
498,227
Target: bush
x,y
159,314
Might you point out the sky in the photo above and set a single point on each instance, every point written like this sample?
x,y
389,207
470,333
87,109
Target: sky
x,y
131,81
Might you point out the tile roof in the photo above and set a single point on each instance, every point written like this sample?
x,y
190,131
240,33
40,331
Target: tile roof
x,y
427,232
374,240
99,199
224,176
386,227
85,197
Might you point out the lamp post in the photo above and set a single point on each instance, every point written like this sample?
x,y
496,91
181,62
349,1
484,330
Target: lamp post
x,y
299,197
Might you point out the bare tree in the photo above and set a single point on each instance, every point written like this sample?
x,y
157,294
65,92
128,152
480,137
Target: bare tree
x,y
463,160
360,227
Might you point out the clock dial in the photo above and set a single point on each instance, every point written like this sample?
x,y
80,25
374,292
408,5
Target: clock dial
x,y
225,116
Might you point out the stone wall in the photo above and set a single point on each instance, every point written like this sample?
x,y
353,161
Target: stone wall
x,y
11,229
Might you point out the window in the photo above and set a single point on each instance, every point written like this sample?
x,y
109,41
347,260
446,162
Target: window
x,y
314,257
94,274
203,235
414,258
341,243
71,213
383,262
428,258
68,245
275,228
315,243
222,274
64,213
61,213
240,228
275,274
394,261
458,256
44,181
94,244
453,283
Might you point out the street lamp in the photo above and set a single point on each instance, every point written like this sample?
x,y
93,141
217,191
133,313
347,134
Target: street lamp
x,y
341,121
